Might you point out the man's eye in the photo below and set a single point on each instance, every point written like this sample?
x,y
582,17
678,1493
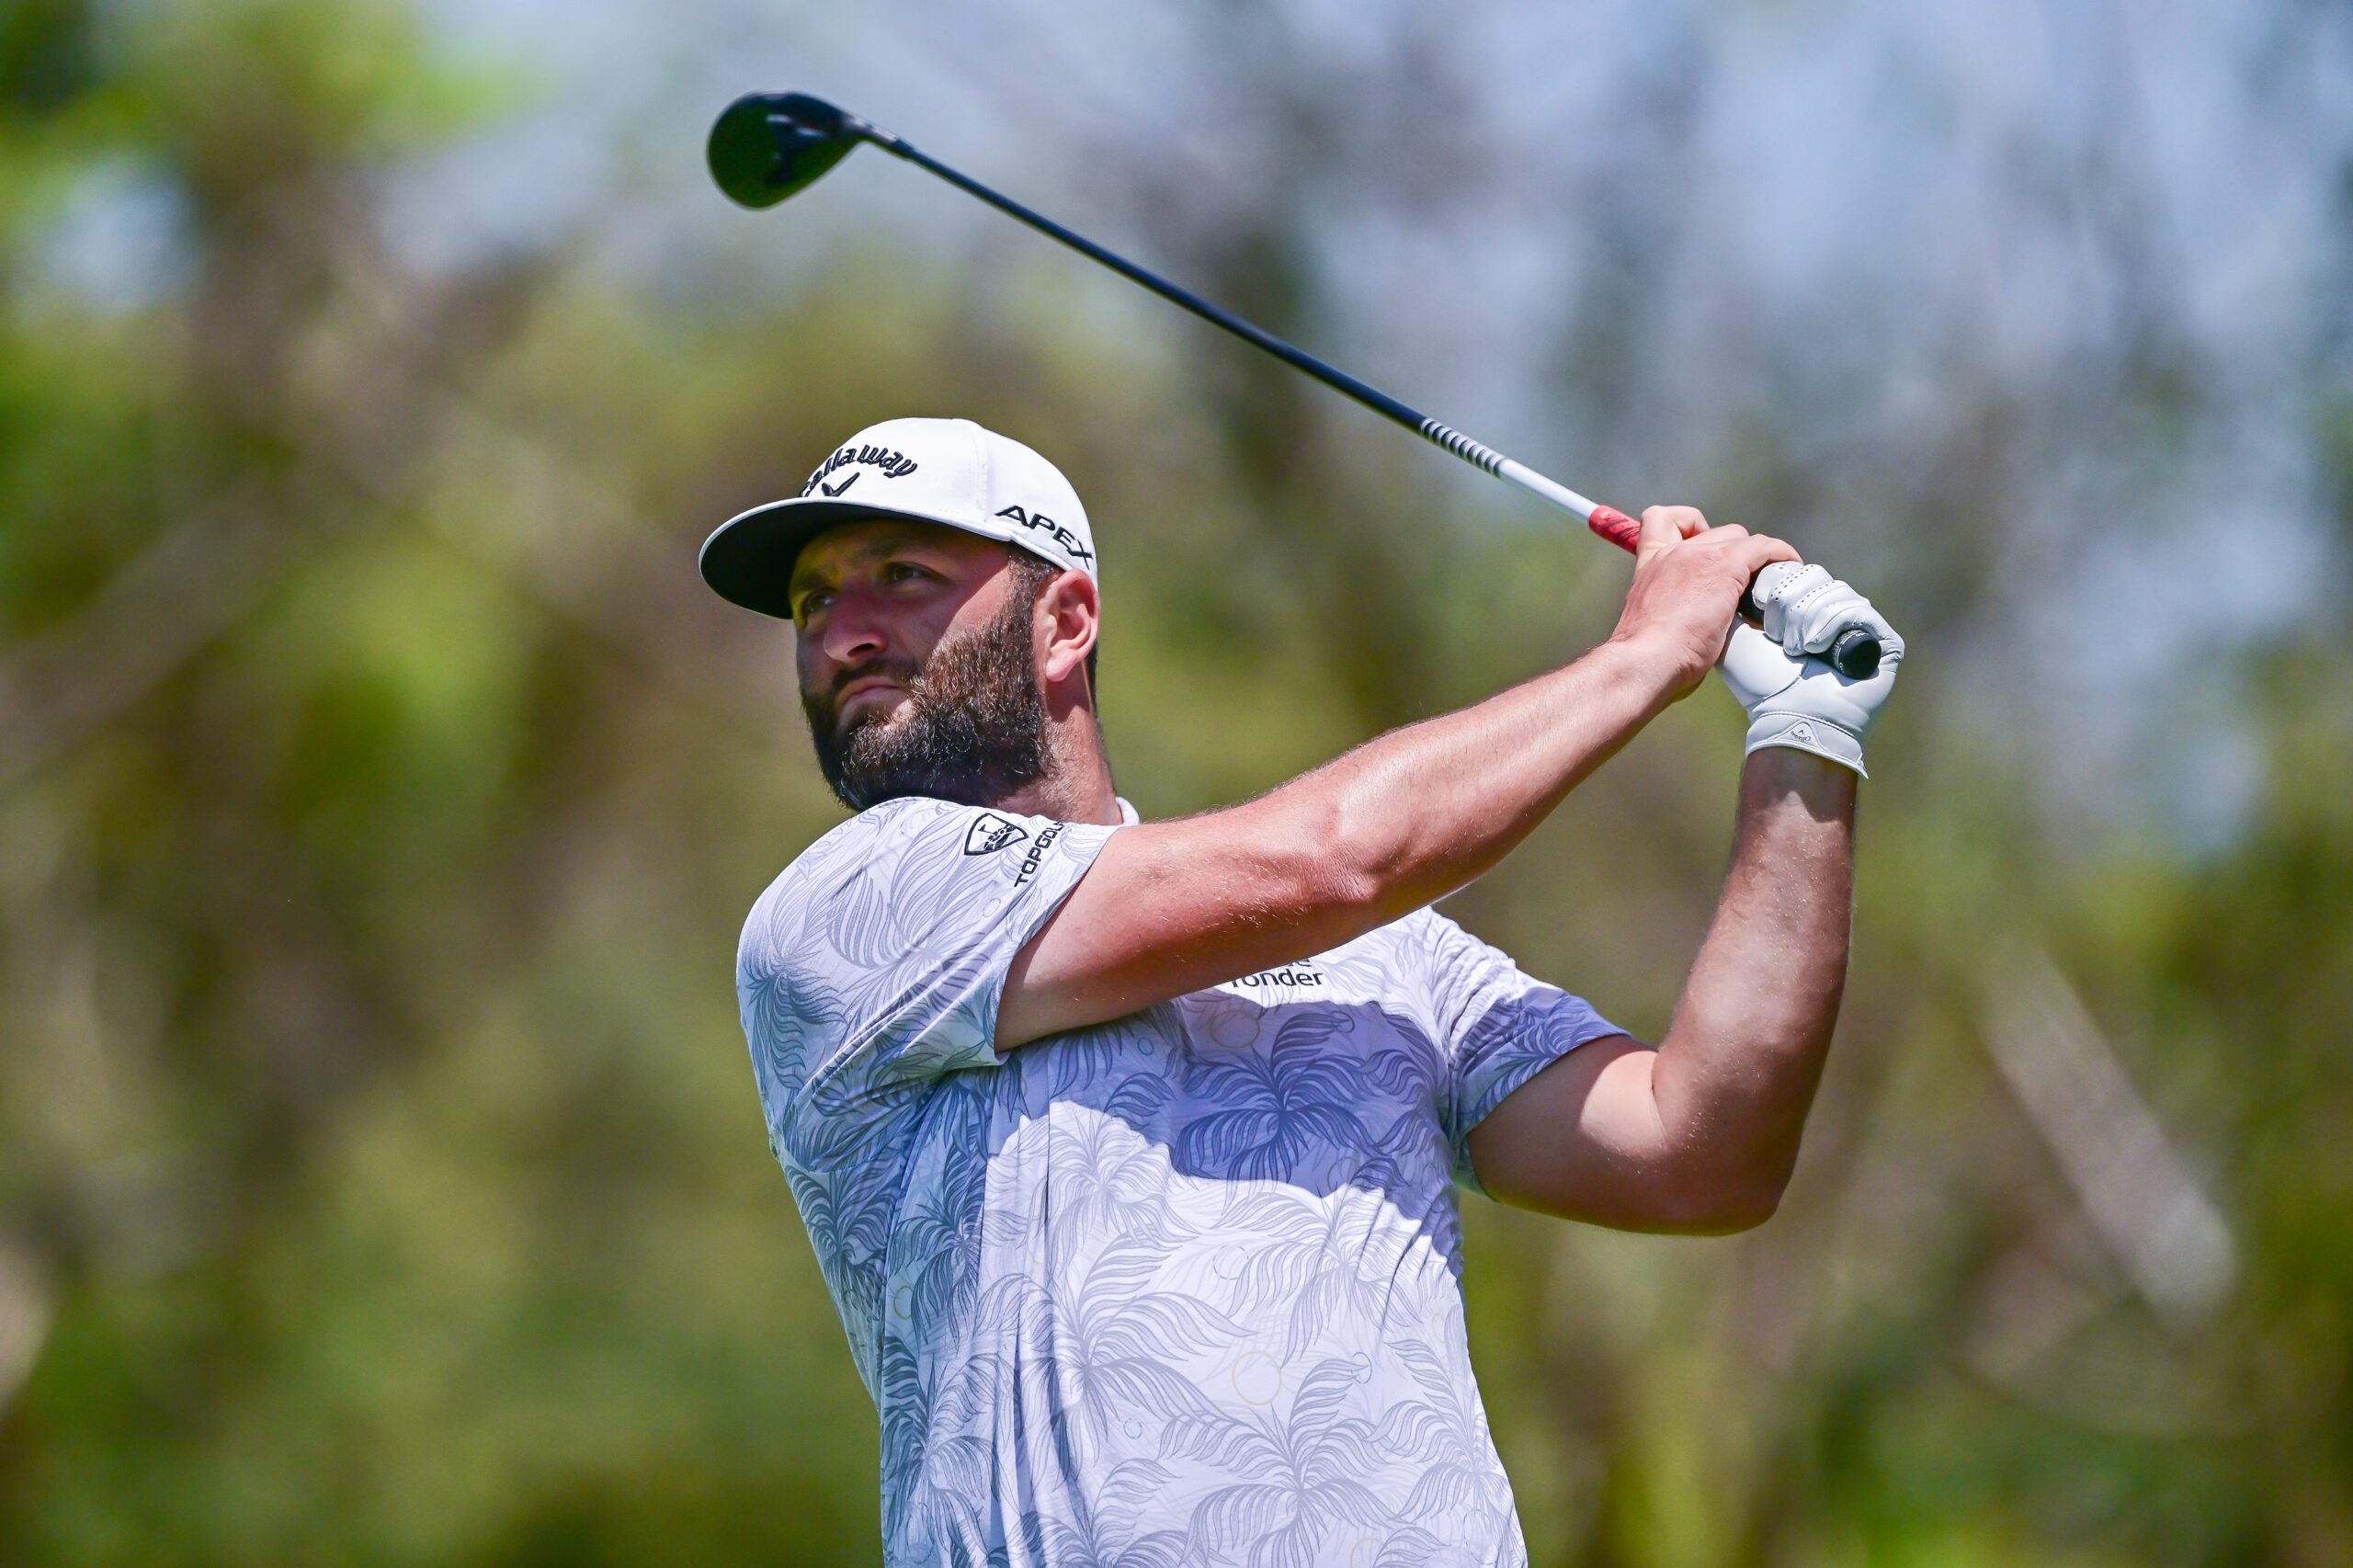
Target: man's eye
x,y
903,571
813,600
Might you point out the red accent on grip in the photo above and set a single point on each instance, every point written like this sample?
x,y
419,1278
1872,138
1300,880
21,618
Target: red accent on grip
x,y
1616,527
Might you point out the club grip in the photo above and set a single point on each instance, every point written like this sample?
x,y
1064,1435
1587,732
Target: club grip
x,y
1856,653
1616,527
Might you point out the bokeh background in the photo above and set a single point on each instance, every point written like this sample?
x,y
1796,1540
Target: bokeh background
x,y
380,1175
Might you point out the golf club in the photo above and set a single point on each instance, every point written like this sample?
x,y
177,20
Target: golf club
x,y
768,146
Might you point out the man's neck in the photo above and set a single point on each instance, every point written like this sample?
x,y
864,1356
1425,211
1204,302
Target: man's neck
x,y
1078,784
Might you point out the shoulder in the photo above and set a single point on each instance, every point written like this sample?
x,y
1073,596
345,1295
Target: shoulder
x,y
878,835
1458,974
1425,940
1402,964
1452,948
891,872
873,841
892,827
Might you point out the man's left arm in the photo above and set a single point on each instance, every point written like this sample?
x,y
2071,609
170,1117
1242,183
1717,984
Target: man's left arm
x,y
1700,1134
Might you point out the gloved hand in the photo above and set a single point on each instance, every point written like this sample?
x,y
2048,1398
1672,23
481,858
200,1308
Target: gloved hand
x,y
1793,699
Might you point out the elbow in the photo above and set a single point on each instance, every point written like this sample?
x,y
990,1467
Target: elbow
x,y
1741,1210
1730,1133
1343,868
1722,1203
1349,849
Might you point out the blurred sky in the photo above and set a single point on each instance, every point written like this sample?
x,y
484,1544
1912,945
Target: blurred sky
x,y
1847,158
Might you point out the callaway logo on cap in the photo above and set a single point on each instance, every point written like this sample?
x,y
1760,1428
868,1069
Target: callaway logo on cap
x,y
942,471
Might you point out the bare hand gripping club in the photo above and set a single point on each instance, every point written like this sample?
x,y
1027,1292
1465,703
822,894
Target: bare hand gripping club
x,y
768,146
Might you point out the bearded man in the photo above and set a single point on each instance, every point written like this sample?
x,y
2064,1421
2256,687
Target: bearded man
x,y
1130,1150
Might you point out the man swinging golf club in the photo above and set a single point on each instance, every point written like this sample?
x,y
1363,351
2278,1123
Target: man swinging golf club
x,y
1129,1148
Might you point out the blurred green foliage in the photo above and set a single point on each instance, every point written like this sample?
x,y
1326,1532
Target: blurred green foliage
x,y
381,1176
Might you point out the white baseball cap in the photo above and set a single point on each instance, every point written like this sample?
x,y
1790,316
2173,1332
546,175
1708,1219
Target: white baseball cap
x,y
942,471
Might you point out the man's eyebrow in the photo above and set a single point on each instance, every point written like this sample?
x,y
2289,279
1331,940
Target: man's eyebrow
x,y
870,549
802,578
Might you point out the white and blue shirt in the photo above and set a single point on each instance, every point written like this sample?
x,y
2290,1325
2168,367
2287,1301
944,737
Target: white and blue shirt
x,y
1179,1288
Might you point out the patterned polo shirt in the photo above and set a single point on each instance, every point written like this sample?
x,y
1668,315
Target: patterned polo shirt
x,y
1181,1287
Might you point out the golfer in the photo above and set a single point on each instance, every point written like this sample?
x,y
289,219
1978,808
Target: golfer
x,y
1128,1150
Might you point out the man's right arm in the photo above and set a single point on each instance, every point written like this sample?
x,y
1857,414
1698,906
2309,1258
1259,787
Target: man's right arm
x,y
1396,823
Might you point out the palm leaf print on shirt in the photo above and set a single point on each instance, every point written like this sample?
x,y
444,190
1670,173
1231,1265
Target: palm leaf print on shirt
x,y
1277,1106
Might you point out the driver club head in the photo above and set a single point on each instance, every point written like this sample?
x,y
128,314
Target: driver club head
x,y
766,146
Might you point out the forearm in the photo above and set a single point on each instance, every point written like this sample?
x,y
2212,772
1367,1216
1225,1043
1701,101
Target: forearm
x,y
1737,1069
1416,814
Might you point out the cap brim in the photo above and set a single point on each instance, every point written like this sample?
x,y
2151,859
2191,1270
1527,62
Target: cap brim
x,y
748,558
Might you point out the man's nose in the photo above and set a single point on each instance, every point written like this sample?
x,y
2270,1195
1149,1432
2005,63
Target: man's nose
x,y
853,629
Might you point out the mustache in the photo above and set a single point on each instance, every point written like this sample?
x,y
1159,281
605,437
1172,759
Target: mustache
x,y
901,672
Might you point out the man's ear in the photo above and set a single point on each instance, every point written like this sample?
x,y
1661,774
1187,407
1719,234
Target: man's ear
x,y
1068,611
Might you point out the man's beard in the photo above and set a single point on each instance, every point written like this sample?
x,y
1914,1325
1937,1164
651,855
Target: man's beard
x,y
972,728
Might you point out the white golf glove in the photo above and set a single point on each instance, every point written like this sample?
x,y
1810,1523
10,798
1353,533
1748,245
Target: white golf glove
x,y
1795,699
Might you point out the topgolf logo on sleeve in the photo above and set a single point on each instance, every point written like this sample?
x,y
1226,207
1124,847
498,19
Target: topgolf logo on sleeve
x,y
991,833
1037,854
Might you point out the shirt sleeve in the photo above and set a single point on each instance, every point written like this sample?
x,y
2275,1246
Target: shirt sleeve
x,y
878,957
1498,1026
